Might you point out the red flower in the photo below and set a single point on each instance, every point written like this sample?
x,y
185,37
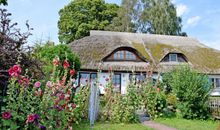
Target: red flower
x,y
66,64
73,106
56,62
72,72
14,71
62,96
17,68
24,81
158,90
31,118
6,115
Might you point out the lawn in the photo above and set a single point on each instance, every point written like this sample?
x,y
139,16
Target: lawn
x,y
183,124
109,126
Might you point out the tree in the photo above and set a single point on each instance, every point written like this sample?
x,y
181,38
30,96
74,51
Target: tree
x,y
81,16
148,16
160,17
123,22
4,2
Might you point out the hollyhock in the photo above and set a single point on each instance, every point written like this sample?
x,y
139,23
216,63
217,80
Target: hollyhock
x,y
158,90
6,115
24,81
56,62
49,84
31,118
73,106
66,64
37,84
14,71
17,68
72,72
62,96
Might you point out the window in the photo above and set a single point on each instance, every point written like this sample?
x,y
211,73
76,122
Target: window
x,y
116,79
215,82
84,78
130,55
119,55
139,78
124,55
173,57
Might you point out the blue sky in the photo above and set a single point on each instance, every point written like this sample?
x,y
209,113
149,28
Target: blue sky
x,y
201,18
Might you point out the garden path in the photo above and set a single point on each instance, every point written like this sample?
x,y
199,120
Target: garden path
x,y
157,126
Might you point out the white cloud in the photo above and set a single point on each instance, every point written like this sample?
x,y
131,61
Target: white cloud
x,y
193,21
181,9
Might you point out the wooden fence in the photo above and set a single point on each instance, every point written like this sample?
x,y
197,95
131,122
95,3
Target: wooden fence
x,y
214,107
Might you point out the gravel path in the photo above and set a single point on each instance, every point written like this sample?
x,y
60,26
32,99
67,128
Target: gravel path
x,y
157,126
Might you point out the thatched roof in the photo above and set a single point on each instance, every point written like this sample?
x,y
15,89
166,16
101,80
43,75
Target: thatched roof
x,y
153,48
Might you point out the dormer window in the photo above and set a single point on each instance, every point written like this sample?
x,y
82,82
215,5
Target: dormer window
x,y
119,55
174,57
125,54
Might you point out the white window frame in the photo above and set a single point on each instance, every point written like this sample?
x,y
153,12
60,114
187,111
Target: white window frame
x,y
170,55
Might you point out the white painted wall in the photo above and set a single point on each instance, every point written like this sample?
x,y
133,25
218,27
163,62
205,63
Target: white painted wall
x,y
102,78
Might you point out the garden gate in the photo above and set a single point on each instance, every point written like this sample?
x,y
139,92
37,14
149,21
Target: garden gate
x,y
93,103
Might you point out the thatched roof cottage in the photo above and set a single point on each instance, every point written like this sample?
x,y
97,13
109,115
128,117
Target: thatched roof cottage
x,y
127,52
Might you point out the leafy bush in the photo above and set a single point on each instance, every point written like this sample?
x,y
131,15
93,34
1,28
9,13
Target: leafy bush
x,y
33,104
50,51
119,108
191,90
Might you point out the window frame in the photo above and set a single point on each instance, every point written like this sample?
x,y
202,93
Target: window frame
x,y
117,55
170,57
90,76
214,82
119,74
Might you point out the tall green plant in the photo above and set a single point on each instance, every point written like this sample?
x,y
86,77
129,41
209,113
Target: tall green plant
x,y
192,90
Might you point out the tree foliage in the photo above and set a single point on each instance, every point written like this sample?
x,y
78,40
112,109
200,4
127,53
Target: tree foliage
x,y
46,52
12,42
4,2
81,16
148,16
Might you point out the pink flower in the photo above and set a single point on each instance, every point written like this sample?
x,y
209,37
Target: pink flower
x,y
6,115
72,72
37,84
49,84
56,62
17,68
14,71
66,64
31,118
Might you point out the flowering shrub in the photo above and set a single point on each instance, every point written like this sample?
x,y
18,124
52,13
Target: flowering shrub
x,y
32,104
118,108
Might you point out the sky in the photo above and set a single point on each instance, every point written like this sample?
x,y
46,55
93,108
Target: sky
x,y
201,18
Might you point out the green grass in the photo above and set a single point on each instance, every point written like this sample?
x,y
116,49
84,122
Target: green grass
x,y
183,124
109,126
